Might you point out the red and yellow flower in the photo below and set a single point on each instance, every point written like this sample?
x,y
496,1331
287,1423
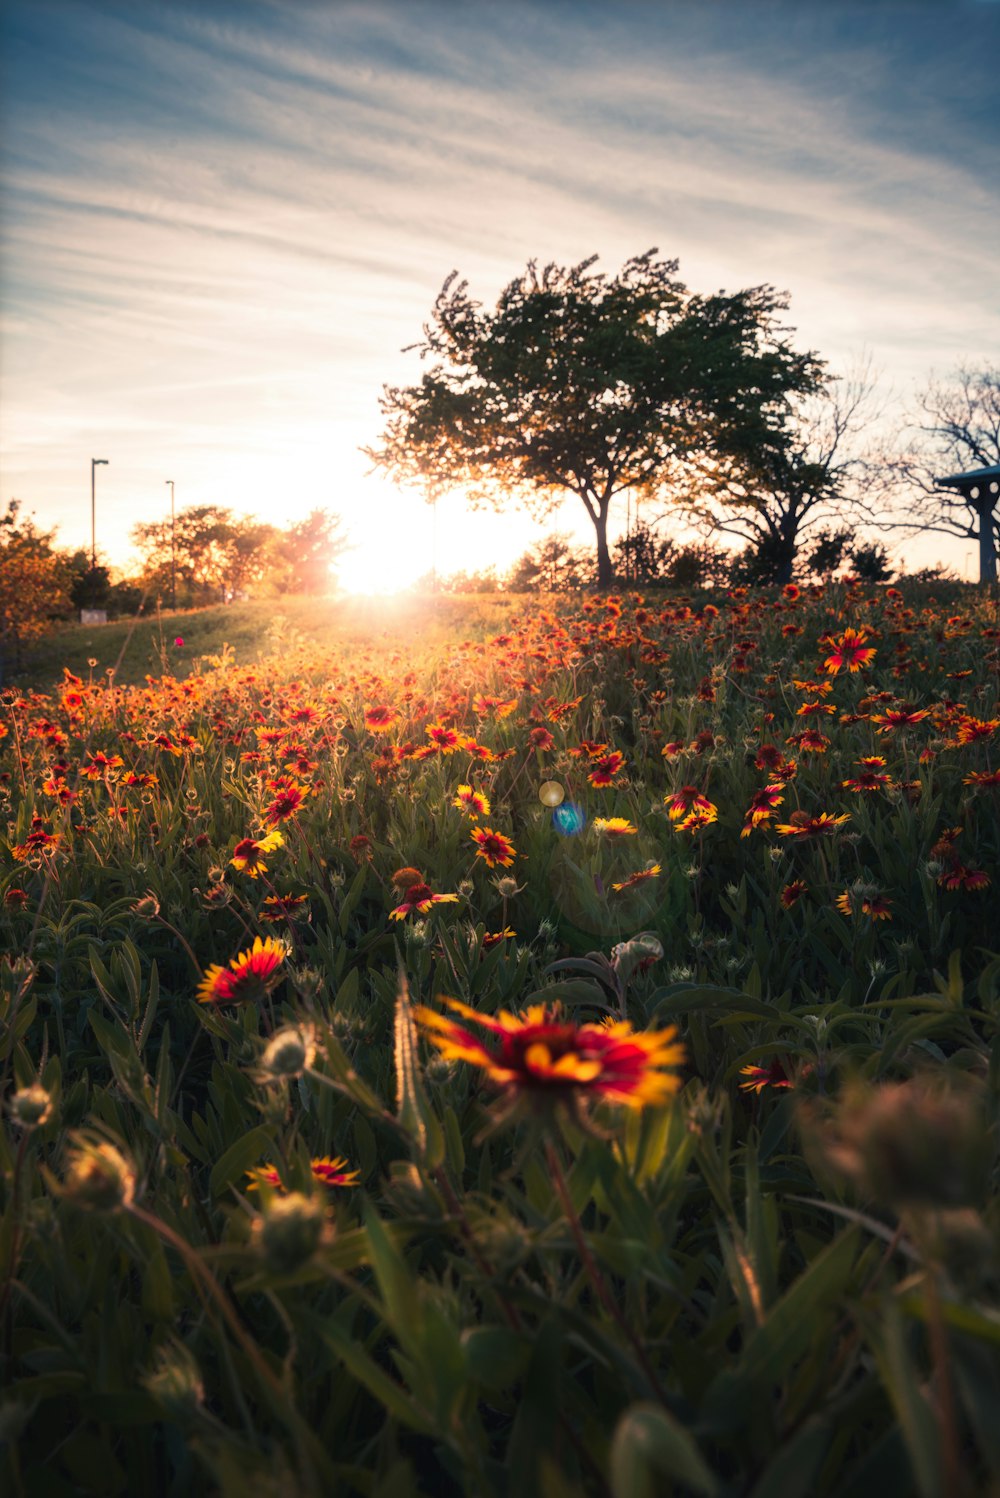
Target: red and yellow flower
x,y
849,653
652,871
248,855
249,976
495,849
759,1077
541,1055
688,799
802,825
418,899
473,802
614,827
327,1170
605,769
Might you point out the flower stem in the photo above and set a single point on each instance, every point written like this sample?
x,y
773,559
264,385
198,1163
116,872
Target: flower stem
x,y
593,1272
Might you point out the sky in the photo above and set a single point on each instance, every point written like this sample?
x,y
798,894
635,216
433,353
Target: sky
x,y
220,224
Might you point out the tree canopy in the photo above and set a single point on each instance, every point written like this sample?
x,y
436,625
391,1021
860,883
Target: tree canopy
x,y
593,385
32,584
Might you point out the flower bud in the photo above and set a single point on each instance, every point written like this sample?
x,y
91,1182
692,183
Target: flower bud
x,y
175,1383
287,1054
31,1107
147,908
290,1231
910,1144
98,1177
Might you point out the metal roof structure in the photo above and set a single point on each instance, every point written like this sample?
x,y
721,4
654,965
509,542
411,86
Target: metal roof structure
x,y
975,474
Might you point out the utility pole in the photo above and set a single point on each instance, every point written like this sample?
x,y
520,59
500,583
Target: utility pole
x,y
173,550
94,462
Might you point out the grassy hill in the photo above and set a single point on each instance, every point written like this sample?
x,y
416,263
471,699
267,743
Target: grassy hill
x,y
135,648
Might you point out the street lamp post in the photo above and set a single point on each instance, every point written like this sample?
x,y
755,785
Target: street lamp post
x,y
94,463
173,552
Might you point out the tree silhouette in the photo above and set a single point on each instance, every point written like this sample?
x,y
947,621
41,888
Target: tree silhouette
x,y
954,429
590,384
777,497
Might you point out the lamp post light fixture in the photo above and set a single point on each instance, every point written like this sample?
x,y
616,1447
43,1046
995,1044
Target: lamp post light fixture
x,y
173,551
94,463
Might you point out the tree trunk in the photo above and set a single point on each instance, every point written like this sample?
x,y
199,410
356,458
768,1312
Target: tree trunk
x,y
605,567
987,547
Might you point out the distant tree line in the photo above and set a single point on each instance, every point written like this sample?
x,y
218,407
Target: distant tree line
x,y
209,555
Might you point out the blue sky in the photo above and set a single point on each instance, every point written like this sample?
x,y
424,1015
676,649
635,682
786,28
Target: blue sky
x,y
220,224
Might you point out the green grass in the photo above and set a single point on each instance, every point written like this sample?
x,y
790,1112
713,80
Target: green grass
x,y
144,646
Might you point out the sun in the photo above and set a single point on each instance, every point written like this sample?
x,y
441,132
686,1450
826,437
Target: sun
x,y
382,565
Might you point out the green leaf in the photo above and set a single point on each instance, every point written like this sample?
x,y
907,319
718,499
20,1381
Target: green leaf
x,y
494,1355
647,1441
792,1473
916,1417
239,1158
795,1320
412,1108
392,1396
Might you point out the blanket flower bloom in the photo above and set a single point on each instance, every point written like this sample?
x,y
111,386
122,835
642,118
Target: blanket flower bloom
x,y
850,652
327,1171
418,899
614,827
248,855
801,825
473,802
688,799
759,1077
249,976
542,1055
493,847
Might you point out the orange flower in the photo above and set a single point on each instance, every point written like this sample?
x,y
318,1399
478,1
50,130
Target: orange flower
x,y
759,1077
541,1055
761,808
417,900
697,819
961,877
802,825
876,906
248,855
899,717
972,730
326,1170
285,804
282,907
474,803
445,740
614,827
792,893
653,871
849,651
493,847
605,769
689,798
249,976
380,719
982,778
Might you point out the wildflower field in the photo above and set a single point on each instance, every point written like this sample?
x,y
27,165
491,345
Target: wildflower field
x,y
561,1061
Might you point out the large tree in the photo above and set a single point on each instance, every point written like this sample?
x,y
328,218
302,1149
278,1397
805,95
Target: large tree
x,y
590,384
783,493
955,428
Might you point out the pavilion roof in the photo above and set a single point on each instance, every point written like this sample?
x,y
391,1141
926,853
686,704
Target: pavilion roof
x,y
992,472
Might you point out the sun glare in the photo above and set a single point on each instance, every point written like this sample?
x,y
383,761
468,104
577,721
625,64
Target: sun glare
x,y
381,566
